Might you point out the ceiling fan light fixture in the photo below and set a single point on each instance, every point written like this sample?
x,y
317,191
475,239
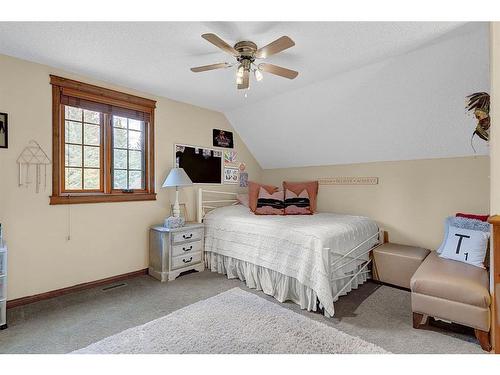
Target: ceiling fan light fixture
x,y
246,52
240,71
239,74
258,75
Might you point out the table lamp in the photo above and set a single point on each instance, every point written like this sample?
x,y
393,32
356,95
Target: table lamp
x,y
176,178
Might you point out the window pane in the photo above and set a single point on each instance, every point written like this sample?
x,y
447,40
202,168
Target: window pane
x,y
73,156
134,140
73,113
120,138
135,124
92,134
128,153
73,177
91,179
135,160
73,132
91,156
120,159
135,180
92,117
119,122
119,179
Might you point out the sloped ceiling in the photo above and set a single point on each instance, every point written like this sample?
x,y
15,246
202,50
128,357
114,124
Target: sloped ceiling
x,y
402,108
366,91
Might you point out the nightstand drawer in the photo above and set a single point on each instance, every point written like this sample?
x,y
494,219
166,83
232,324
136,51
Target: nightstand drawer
x,y
187,248
188,235
186,260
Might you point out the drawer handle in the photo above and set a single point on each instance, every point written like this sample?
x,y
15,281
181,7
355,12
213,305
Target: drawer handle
x,y
187,260
187,237
188,249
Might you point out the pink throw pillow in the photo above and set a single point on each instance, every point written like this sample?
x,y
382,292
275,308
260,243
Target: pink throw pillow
x,y
270,203
311,187
253,193
297,204
243,199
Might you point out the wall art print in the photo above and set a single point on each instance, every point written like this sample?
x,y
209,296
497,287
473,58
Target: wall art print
x,y
231,175
4,130
223,138
479,104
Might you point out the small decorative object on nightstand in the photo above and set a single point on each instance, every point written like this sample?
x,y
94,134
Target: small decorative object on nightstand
x,y
177,177
175,250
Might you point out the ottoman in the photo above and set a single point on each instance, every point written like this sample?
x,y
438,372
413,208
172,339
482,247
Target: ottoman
x,y
395,264
453,291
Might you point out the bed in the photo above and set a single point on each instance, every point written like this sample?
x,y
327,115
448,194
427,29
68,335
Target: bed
x,y
311,260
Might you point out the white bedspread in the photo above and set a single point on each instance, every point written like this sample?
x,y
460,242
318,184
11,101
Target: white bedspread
x,y
291,245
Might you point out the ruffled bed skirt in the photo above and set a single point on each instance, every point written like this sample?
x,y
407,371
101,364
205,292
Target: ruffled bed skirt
x,y
282,287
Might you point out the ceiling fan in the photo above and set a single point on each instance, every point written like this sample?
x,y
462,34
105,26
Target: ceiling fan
x,y
245,53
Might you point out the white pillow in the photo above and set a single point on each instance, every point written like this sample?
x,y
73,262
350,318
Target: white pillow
x,y
465,245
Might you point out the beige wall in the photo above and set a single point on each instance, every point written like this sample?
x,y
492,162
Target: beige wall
x,y
107,239
412,197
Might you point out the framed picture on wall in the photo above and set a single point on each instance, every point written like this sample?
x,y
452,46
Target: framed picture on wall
x,y
223,138
4,130
231,175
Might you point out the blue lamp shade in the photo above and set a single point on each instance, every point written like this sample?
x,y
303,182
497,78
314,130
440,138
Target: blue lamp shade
x,y
177,177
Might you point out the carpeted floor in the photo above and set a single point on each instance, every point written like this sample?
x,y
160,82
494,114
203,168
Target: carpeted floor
x,y
378,314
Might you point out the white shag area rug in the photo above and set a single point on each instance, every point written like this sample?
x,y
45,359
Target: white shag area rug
x,y
232,322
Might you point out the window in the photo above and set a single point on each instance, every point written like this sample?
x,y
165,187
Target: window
x,y
83,162
128,153
103,144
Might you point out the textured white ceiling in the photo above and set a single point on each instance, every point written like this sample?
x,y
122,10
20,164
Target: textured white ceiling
x,y
156,57
403,108
367,91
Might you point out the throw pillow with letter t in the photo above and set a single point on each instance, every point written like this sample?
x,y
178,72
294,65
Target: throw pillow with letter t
x,y
465,245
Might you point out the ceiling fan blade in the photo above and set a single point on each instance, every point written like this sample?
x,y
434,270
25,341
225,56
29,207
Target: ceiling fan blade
x,y
272,48
218,42
204,68
278,70
246,80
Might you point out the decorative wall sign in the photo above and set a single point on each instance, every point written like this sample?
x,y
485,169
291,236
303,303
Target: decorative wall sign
x,y
4,130
223,138
33,157
479,103
230,156
231,175
243,179
349,181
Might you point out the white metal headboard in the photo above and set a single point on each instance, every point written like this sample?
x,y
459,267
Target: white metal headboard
x,y
203,205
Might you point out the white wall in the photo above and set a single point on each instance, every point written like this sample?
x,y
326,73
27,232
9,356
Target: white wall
x,y
408,107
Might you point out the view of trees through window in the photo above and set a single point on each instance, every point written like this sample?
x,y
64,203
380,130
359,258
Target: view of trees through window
x,y
83,151
82,155
128,153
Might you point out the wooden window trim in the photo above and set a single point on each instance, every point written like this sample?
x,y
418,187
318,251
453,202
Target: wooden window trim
x,y
86,91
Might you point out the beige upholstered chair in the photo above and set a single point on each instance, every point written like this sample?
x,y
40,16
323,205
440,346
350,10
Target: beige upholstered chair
x,y
452,291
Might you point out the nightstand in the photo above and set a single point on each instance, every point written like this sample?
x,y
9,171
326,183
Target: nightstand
x,y
173,251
